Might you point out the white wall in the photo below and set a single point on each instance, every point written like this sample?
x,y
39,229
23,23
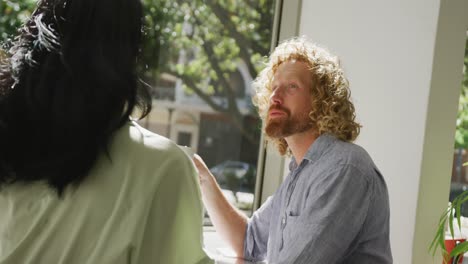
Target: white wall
x,y
404,60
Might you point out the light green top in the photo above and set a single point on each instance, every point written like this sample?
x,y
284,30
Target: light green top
x,y
140,206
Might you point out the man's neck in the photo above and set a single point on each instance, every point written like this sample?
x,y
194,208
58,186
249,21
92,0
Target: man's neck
x,y
299,143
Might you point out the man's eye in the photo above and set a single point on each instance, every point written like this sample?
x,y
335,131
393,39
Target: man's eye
x,y
293,86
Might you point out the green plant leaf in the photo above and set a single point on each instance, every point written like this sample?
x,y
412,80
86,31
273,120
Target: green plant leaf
x,y
459,249
439,238
451,222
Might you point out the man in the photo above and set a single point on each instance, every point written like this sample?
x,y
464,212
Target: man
x,y
333,206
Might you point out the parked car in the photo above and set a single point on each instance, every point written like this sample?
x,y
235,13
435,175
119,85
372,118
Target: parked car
x,y
235,175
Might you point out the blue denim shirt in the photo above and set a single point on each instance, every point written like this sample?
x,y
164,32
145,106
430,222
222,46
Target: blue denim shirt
x,y
332,208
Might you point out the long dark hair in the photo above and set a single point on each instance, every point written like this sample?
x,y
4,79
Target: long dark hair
x,y
68,83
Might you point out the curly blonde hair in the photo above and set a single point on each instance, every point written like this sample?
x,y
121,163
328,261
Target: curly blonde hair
x,y
332,109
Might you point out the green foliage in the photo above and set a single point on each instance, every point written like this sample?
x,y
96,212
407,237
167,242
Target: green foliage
x,y
205,39
446,220
213,36
461,134
13,14
201,42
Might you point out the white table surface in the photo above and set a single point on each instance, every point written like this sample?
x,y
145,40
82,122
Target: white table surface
x,y
218,250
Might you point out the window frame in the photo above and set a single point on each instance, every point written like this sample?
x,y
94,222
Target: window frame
x,y
272,168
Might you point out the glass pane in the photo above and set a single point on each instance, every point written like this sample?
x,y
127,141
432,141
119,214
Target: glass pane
x,y
459,182
200,57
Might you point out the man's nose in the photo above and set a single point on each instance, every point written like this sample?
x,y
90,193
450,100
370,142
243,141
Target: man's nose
x,y
276,96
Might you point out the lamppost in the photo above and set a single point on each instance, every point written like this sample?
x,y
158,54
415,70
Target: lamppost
x,y
170,110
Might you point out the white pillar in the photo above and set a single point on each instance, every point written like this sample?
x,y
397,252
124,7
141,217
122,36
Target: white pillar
x,y
404,61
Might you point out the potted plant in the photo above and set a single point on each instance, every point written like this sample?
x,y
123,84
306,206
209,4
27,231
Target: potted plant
x,y
452,248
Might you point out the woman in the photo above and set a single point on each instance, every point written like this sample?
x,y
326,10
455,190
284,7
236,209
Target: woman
x,y
79,181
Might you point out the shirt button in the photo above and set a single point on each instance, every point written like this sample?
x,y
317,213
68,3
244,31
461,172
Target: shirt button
x,y
283,221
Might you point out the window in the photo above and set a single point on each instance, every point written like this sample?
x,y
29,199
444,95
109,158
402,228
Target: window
x,y
184,139
200,58
459,182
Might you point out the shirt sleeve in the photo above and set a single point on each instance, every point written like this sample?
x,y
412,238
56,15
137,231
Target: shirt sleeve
x,y
325,229
178,216
256,234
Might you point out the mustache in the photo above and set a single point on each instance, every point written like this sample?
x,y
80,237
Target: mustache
x,y
277,107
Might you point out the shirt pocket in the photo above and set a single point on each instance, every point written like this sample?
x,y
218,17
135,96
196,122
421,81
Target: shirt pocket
x,y
290,225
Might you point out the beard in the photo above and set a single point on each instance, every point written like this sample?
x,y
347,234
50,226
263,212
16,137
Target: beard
x,y
287,125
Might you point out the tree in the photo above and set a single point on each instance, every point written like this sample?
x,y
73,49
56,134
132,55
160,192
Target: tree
x,y
203,43
200,42
13,15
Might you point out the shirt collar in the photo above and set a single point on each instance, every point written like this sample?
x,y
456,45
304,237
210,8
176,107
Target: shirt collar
x,y
316,150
